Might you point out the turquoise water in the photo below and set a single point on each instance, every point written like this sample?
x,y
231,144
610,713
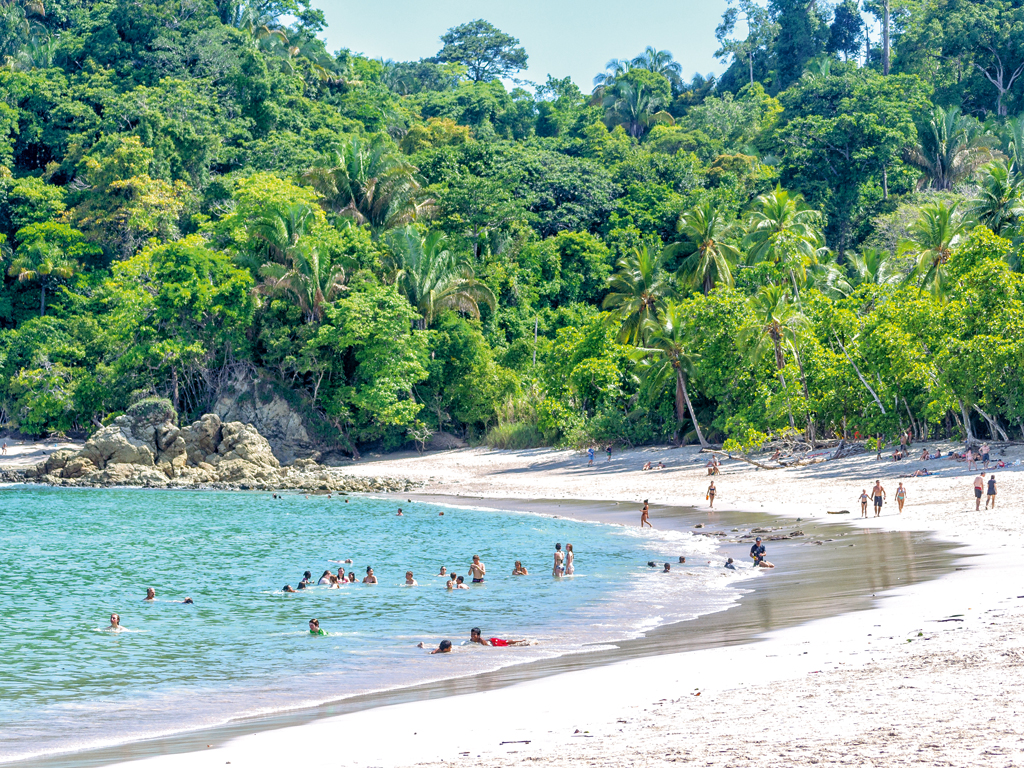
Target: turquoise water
x,y
73,556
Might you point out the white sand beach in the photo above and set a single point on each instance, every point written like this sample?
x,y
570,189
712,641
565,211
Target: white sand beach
x,y
929,676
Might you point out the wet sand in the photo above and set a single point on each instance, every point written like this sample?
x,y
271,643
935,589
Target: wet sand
x,y
849,571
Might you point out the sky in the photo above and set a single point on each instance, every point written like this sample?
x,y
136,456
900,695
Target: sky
x,y
561,37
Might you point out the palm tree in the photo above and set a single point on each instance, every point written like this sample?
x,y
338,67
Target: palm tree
x,y
613,70
371,183
709,260
43,263
774,323
638,290
432,277
951,147
669,356
872,266
636,108
312,279
660,63
276,233
931,240
998,204
783,230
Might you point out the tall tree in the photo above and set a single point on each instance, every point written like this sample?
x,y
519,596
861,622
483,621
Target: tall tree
x,y
931,239
802,36
660,63
670,355
950,148
311,279
762,31
638,291
783,230
42,262
998,204
846,30
709,257
432,276
486,51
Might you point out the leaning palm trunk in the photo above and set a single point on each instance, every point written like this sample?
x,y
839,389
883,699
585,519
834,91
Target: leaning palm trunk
x,y
682,396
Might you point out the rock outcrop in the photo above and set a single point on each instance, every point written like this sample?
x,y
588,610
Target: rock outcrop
x,y
255,402
146,447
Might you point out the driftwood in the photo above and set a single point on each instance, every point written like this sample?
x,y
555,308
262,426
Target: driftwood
x,y
842,450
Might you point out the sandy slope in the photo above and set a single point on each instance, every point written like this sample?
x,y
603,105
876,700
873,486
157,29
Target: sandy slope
x,y
28,453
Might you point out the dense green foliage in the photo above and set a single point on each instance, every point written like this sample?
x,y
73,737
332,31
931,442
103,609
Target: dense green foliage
x,y
825,240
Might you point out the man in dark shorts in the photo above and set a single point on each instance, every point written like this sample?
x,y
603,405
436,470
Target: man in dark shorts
x,y
878,493
979,487
991,497
757,552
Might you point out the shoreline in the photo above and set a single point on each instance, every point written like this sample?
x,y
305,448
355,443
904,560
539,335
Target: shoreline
x,y
761,605
533,711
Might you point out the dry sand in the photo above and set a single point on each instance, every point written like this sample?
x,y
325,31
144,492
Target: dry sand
x,y
930,676
28,453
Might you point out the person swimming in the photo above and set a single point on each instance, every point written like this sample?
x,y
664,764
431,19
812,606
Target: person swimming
x,y
443,571
314,627
188,601
150,595
325,578
450,584
668,568
370,578
460,583
494,642
306,577
444,647
409,580
729,564
115,623
351,577
399,513
302,585
287,588
519,570
682,559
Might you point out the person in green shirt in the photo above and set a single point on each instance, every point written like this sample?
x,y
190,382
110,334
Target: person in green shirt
x,y
314,627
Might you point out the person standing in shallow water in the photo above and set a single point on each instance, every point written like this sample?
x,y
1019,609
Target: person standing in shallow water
x,y
570,556
558,568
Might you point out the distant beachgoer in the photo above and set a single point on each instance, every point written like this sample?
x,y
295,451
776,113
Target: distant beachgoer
x,y
558,569
496,642
444,647
519,570
443,571
668,568
864,498
879,494
450,584
970,459
985,454
645,515
5,449
925,456
661,465
711,495
757,551
979,487
938,453
590,456
399,513
370,578
115,623
923,472
325,578
682,559
188,601
150,595
901,497
651,564
351,577
608,450
314,627
991,497
646,467
335,582
570,556
729,564
477,569
342,578
287,588
306,577
460,583
409,580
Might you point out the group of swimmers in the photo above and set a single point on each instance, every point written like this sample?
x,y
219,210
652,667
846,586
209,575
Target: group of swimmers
x,y
115,619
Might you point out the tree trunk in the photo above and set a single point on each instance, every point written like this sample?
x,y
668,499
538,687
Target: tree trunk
x,y
885,37
994,430
174,388
807,398
751,67
885,182
860,376
967,422
42,299
681,392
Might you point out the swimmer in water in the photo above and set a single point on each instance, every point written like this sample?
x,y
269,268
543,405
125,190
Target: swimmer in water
x,y
351,577
682,559
370,578
444,647
342,578
460,583
306,577
325,578
188,601
558,568
287,588
115,623
450,584
494,642
729,564
478,570
302,585
519,570
443,571
314,627
409,580
150,595
399,513
668,568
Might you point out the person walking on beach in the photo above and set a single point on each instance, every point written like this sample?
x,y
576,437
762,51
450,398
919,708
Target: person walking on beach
x,y
478,570
558,568
590,456
864,498
879,494
970,458
570,569
711,495
979,488
608,450
901,497
5,448
991,497
644,515
986,452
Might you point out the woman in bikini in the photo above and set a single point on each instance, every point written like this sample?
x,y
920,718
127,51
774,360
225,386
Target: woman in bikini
x,y
901,497
558,569
570,569
711,495
519,570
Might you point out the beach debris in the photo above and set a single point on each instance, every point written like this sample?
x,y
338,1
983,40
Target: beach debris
x,y
526,741
839,512
699,525
761,530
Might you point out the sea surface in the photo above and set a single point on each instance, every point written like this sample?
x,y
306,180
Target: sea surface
x,y
70,557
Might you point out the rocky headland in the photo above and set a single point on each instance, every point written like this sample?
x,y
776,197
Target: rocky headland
x,y
146,447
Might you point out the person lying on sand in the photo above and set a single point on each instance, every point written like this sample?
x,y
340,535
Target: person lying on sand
x,y
444,647
646,467
496,642
921,473
925,456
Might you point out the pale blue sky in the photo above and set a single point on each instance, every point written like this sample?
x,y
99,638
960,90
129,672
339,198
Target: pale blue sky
x,y
561,37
